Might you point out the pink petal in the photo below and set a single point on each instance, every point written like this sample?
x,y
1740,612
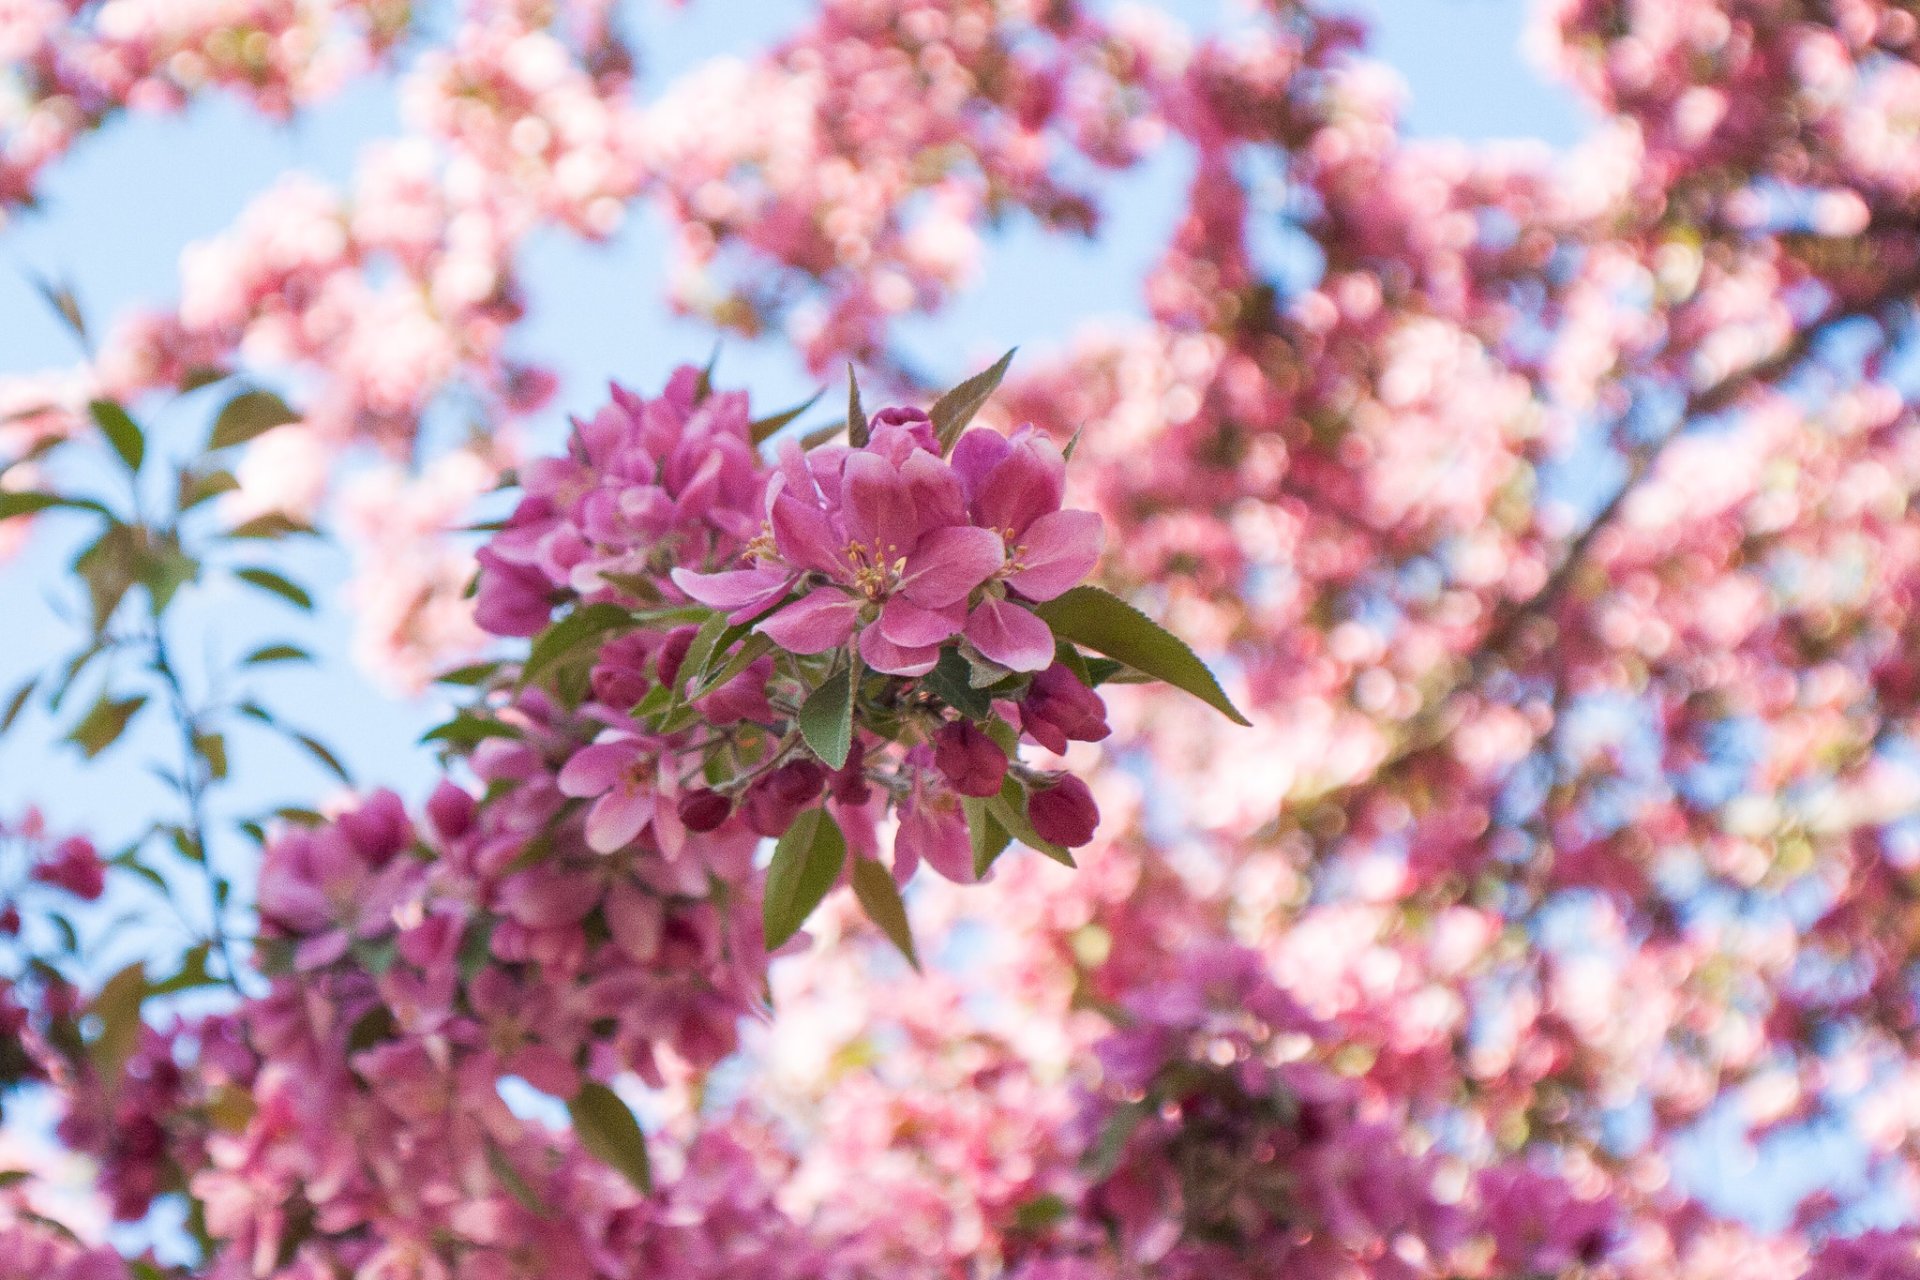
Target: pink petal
x,y
735,590
618,817
975,455
937,838
593,769
1025,485
806,537
1058,551
878,506
936,489
905,622
951,562
883,654
1010,636
820,621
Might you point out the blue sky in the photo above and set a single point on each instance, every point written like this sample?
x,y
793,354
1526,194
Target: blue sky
x,y
119,211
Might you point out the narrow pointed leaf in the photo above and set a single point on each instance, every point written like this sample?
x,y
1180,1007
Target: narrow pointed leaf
x,y
857,425
249,414
121,431
762,429
103,724
607,1129
1101,621
564,637
806,864
880,899
278,585
988,837
953,411
826,718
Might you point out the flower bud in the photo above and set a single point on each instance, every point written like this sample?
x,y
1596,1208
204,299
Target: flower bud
x,y
776,799
704,810
1064,813
1058,708
451,810
973,763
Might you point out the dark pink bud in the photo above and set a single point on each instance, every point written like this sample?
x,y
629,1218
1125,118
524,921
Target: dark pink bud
x,y
673,652
74,865
1064,813
914,421
704,810
1058,708
973,763
378,829
10,920
849,783
513,600
777,798
451,810
620,674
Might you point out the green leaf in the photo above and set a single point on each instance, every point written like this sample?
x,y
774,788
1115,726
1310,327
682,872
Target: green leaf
x,y
21,502
276,653
198,486
953,411
192,974
318,750
745,656
806,864
102,726
271,524
249,414
609,1132
121,431
826,718
17,703
1112,1143
880,899
118,1008
857,426
1103,622
467,729
762,429
275,584
950,682
212,748
1009,809
468,676
517,1187
558,641
984,832
65,304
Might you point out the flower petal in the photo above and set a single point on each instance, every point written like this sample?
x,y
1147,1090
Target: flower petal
x,y
805,537
1025,485
951,562
618,816
1011,636
593,769
1058,551
883,654
905,622
878,506
735,590
821,620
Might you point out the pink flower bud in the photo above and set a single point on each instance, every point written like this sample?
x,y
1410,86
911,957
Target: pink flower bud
x,y
704,810
74,865
775,800
1058,708
973,763
1065,812
451,810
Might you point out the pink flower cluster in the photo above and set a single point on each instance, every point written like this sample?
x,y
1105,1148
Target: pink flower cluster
x,y
891,541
